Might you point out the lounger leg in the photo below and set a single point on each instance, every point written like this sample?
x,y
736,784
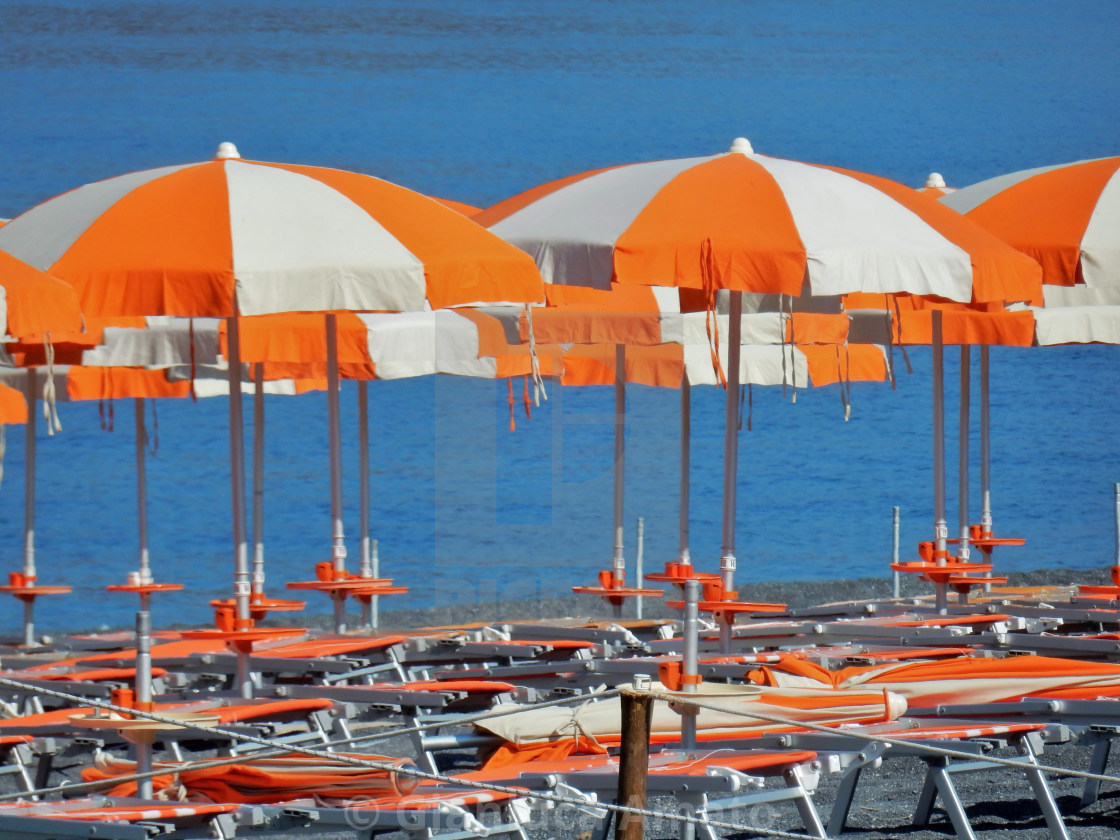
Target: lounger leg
x,y
810,819
1097,764
1043,793
43,770
603,828
846,790
693,805
926,799
943,783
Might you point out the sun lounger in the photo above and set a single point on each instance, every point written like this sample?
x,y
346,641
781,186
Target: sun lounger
x,y
116,819
855,754
295,792
705,783
1091,722
432,812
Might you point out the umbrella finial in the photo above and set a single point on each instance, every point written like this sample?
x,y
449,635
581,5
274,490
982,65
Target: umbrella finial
x,y
741,145
935,181
227,151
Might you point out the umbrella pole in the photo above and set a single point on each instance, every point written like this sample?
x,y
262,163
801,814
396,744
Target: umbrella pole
x,y
940,524
338,538
690,663
962,461
985,448
29,572
258,481
145,575
242,587
619,558
730,462
685,558
144,690
369,608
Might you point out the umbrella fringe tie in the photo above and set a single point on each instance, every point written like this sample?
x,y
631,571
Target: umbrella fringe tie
x,y
711,319
890,342
901,346
792,347
190,336
50,407
539,391
512,420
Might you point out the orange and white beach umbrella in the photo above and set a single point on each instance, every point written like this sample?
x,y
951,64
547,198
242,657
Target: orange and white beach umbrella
x,y
230,237
751,223
1065,217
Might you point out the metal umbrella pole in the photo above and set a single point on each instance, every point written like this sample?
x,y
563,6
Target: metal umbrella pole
x,y
145,571
29,571
368,562
962,460
619,558
685,558
985,447
143,747
690,664
730,461
940,524
338,537
242,585
258,481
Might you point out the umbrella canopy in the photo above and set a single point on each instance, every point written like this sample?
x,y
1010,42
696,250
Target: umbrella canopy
x,y
1064,216
230,236
753,223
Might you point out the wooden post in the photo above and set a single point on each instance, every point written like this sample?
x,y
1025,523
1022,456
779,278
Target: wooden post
x,y
637,713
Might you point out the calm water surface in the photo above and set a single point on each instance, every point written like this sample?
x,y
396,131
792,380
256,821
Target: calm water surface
x,y
476,101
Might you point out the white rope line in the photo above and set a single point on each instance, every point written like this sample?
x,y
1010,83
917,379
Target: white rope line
x,y
890,740
277,748
416,773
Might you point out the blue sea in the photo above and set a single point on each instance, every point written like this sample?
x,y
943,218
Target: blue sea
x,y
476,100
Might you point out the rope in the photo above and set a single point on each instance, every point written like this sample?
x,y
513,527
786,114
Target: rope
x,y
416,773
277,748
677,699
947,752
50,408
